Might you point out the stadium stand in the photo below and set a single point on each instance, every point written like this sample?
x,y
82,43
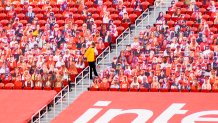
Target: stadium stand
x,y
43,42
178,53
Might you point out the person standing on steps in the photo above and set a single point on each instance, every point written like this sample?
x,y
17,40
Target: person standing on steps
x,y
90,55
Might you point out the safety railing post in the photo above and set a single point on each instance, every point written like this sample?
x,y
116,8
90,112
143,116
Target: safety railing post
x,y
61,100
54,106
89,75
68,95
103,60
82,80
39,116
130,33
116,46
109,54
148,17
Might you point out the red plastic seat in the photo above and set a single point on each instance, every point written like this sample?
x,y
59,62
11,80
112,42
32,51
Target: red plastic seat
x,y
21,16
60,22
117,22
127,3
174,90
129,10
114,16
154,90
28,88
93,89
24,22
179,4
189,23
2,85
9,86
47,88
167,17
108,3
120,29
37,88
132,17
57,89
114,89
4,22
143,90
2,16
170,23
145,5
124,89
164,90
89,3
206,17
133,90
79,22
206,91
18,85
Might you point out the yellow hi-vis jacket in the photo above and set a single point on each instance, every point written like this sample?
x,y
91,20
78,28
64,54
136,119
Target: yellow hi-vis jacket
x,y
90,54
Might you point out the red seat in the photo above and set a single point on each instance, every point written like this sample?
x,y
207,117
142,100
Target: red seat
x,y
108,3
204,90
129,10
124,89
213,29
98,22
93,89
205,17
167,17
47,88
133,90
127,3
27,88
60,22
79,22
21,16
120,29
164,90
24,22
2,16
95,16
117,22
145,5
9,86
18,85
91,10
179,4
189,23
4,22
154,90
103,89
2,85
184,90
57,89
114,16
170,23
132,17
114,89
143,90
194,90
37,88
174,90
89,3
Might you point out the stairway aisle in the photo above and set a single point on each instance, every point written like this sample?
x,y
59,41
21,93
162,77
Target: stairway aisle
x,y
73,94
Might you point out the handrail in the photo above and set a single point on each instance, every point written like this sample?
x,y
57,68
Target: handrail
x,y
46,106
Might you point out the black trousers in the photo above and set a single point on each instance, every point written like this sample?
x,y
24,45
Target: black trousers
x,y
92,67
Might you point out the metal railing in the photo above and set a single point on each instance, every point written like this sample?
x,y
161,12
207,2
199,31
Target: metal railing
x,y
36,118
